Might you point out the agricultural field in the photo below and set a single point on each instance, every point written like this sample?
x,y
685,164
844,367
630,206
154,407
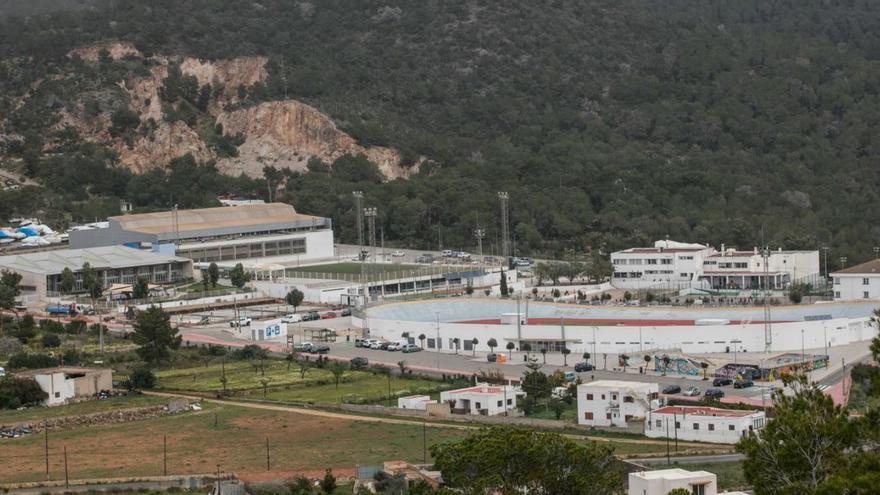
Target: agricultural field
x,y
89,407
317,386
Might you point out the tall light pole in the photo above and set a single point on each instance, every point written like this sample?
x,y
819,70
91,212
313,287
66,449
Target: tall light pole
x,y
370,213
480,234
843,262
503,197
358,205
876,252
437,315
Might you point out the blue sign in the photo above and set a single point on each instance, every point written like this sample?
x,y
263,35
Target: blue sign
x,y
273,331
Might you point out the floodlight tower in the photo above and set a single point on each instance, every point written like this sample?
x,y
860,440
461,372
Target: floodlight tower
x,y
358,204
504,197
480,234
370,213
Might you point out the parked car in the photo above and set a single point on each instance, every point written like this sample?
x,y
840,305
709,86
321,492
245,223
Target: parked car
x,y
240,322
743,383
672,389
291,318
328,315
721,382
410,348
424,258
345,312
310,316
394,346
376,344
581,367
303,347
446,253
358,342
714,393
570,376
559,392
319,349
492,357
522,262
359,362
692,392
398,254
384,345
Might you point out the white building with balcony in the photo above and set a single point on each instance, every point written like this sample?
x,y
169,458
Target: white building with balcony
x,y
743,270
615,403
703,424
857,282
667,265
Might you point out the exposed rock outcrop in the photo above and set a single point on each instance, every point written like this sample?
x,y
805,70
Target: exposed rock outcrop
x,y
285,134
116,50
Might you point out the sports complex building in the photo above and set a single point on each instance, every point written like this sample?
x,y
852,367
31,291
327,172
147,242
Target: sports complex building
x,y
225,235
615,330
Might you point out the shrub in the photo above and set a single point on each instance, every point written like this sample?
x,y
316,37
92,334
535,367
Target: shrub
x,y
141,378
51,340
17,392
25,360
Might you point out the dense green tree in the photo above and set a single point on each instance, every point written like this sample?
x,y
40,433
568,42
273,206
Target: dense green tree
x,y
91,282
9,288
141,288
68,281
519,460
294,298
213,274
17,392
239,276
154,335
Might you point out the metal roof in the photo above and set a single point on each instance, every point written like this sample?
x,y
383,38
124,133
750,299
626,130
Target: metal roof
x,y
54,262
867,268
210,218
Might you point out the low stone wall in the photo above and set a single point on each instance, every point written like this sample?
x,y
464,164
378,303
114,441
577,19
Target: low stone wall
x,y
175,406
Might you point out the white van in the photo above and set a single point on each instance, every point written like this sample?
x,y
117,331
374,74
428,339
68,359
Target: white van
x,y
291,318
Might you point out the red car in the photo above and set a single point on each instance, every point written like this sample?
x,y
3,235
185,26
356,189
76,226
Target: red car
x,y
327,316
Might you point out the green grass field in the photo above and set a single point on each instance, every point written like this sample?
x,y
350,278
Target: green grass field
x,y
318,386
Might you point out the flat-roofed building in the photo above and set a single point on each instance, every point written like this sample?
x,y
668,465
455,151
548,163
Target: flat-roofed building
x,y
66,382
733,269
663,481
615,402
668,265
41,271
482,399
223,234
703,424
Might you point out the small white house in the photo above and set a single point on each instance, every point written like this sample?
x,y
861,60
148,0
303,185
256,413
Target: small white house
x,y
482,399
417,402
668,264
65,383
664,481
857,282
615,403
702,424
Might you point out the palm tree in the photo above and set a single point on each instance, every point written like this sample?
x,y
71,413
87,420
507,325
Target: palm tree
x,y
474,343
623,358
456,341
492,343
544,354
586,357
422,339
666,360
705,367
647,362
510,347
565,352
525,346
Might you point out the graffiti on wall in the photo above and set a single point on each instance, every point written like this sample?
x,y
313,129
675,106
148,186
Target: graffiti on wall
x,y
667,364
737,371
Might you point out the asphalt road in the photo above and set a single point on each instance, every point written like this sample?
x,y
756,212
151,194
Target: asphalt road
x,y
691,459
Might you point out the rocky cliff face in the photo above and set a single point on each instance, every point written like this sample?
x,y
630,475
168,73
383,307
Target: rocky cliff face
x,y
284,134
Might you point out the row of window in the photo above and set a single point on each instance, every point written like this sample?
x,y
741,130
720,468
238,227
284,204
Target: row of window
x,y
865,281
865,295
638,261
244,251
626,398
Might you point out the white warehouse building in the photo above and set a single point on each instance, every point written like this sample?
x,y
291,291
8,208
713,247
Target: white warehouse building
x,y
703,424
668,265
857,282
255,233
732,269
615,403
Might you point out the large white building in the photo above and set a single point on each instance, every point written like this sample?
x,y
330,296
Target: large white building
x,y
732,269
250,234
663,481
668,264
615,403
482,399
702,424
857,282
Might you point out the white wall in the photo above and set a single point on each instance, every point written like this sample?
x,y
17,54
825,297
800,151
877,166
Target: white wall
x,y
634,339
605,398
721,433
59,389
849,287
639,485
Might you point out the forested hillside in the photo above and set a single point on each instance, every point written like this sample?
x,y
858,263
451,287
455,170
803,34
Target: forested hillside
x,y
610,122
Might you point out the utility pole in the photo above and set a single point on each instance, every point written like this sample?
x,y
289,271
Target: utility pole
x,y
424,442
164,455
370,213
46,445
843,260
768,330
876,252
66,473
358,205
267,455
504,197
480,234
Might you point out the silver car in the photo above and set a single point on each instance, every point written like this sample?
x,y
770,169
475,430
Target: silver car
x,y
692,392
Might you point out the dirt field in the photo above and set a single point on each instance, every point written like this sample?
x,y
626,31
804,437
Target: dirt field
x,y
238,443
